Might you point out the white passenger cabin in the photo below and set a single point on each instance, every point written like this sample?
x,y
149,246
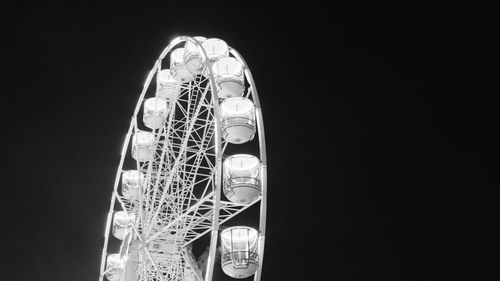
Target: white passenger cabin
x,y
142,146
178,67
242,178
155,112
240,257
193,58
167,87
229,77
114,267
122,224
131,182
238,120
215,49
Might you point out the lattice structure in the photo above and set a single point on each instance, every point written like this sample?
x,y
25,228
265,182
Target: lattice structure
x,y
179,197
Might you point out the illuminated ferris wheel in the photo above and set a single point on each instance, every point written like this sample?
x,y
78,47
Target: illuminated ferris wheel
x,y
177,180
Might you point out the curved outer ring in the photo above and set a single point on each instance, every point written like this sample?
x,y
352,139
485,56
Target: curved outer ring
x,y
218,152
263,159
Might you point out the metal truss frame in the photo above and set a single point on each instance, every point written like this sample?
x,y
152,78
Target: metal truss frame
x,y
180,200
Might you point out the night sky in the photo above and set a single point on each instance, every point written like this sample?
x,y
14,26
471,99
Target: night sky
x,y
380,123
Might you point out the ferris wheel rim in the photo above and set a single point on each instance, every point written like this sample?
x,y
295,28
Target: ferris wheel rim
x,y
263,159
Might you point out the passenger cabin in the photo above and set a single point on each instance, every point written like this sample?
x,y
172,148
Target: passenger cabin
x,y
142,146
178,68
167,88
114,267
121,224
240,257
238,120
193,59
131,182
215,49
155,112
242,178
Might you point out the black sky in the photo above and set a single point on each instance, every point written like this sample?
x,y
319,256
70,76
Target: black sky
x,y
380,120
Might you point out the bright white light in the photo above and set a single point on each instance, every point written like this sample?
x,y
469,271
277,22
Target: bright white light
x,y
167,87
132,177
114,260
143,138
241,162
227,66
155,105
191,47
228,74
114,267
165,77
239,238
120,218
237,106
177,56
215,48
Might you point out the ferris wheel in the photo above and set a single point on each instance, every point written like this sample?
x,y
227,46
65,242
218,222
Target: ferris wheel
x,y
178,181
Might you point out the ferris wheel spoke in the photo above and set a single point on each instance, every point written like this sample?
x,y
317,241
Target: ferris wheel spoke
x,y
164,163
162,157
192,209
194,166
153,262
191,174
175,166
156,158
227,211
